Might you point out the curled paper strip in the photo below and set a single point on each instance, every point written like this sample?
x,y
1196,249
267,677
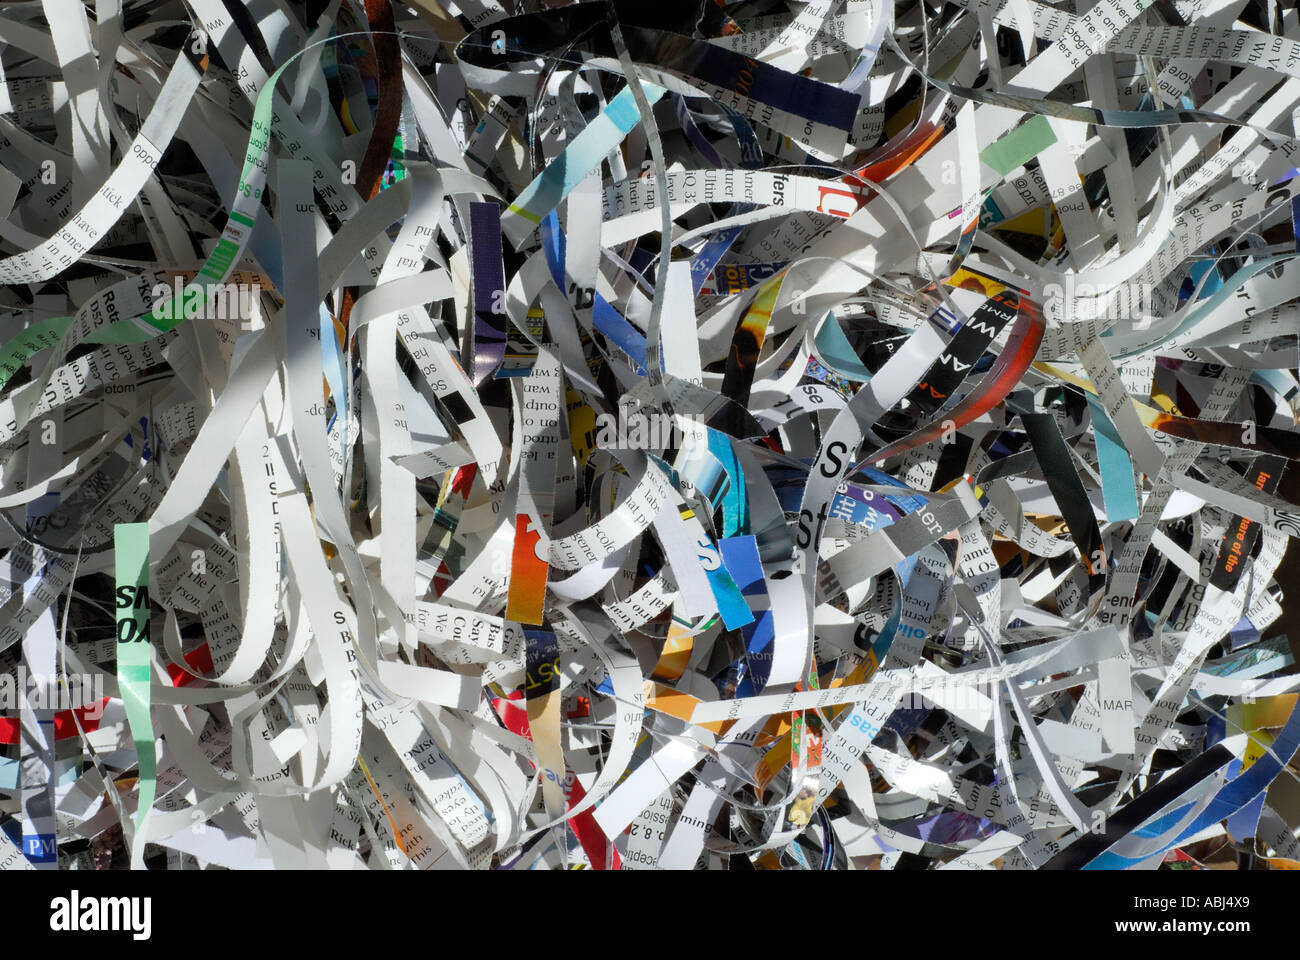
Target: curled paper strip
x,y
625,435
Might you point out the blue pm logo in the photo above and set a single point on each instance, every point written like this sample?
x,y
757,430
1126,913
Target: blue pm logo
x,y
40,848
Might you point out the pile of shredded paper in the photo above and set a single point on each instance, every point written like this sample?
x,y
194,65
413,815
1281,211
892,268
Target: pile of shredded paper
x,y
461,434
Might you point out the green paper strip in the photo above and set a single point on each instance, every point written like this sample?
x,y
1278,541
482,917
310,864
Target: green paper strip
x,y
134,661
165,315
238,229
1023,143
